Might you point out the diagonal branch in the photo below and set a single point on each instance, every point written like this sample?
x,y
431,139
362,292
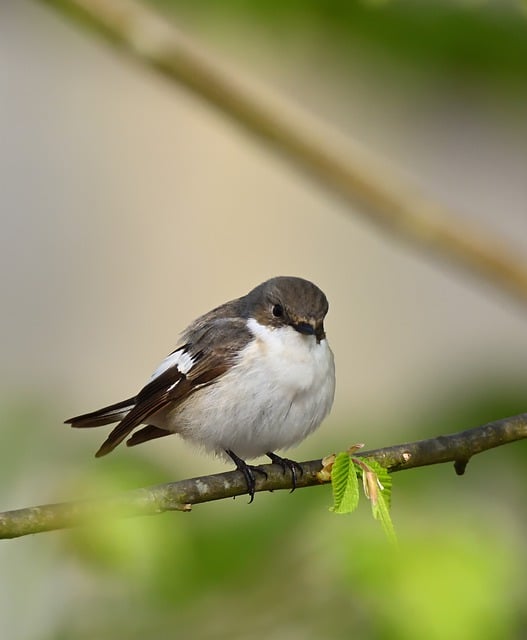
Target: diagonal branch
x,y
180,496
347,170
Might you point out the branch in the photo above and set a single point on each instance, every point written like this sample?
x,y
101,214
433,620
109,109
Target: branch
x,y
347,170
180,496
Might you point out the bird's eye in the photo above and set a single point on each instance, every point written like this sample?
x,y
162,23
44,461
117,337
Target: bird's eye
x,y
278,311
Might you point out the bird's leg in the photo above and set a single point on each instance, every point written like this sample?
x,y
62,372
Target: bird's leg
x,y
286,463
248,471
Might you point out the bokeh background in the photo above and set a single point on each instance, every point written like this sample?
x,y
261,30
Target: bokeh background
x,y
128,207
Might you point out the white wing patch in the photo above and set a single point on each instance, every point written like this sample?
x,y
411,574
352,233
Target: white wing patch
x,y
180,359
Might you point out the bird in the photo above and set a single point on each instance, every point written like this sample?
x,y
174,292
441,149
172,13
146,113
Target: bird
x,y
252,376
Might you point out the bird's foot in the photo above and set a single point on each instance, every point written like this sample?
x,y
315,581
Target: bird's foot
x,y
248,471
286,463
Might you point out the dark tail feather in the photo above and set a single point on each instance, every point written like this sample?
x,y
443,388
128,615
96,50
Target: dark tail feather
x,y
113,413
138,414
147,433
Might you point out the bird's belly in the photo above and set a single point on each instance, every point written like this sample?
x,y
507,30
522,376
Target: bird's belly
x,y
262,404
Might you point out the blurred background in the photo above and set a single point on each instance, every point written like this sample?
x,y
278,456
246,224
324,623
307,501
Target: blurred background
x,y
128,207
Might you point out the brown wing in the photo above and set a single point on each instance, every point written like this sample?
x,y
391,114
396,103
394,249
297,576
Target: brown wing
x,y
213,347
170,386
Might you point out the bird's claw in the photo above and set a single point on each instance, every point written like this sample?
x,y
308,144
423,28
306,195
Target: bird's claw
x,y
286,463
248,471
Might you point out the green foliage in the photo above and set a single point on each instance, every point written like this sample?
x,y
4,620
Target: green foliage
x,y
380,497
384,478
345,484
377,484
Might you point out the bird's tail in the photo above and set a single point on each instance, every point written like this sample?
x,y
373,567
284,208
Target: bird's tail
x,y
113,413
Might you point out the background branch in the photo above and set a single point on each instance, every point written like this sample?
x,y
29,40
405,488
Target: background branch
x,y
345,169
180,496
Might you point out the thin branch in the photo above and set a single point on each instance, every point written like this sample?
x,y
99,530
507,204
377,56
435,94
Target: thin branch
x,y
180,496
346,168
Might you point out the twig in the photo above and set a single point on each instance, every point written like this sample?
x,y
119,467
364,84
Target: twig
x,y
346,169
179,496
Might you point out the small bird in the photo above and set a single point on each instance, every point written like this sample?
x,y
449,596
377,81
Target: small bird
x,y
252,376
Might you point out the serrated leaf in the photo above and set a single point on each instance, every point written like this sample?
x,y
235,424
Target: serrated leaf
x,y
381,512
384,478
380,482
345,484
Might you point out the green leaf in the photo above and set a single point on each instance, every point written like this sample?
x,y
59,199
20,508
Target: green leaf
x,y
345,484
380,496
381,512
384,478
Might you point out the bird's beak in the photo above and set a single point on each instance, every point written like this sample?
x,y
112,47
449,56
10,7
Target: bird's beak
x,y
307,328
310,328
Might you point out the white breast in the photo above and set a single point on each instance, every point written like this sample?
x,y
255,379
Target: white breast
x,y
278,392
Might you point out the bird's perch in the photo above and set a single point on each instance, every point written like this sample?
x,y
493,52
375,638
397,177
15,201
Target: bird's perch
x,y
180,496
